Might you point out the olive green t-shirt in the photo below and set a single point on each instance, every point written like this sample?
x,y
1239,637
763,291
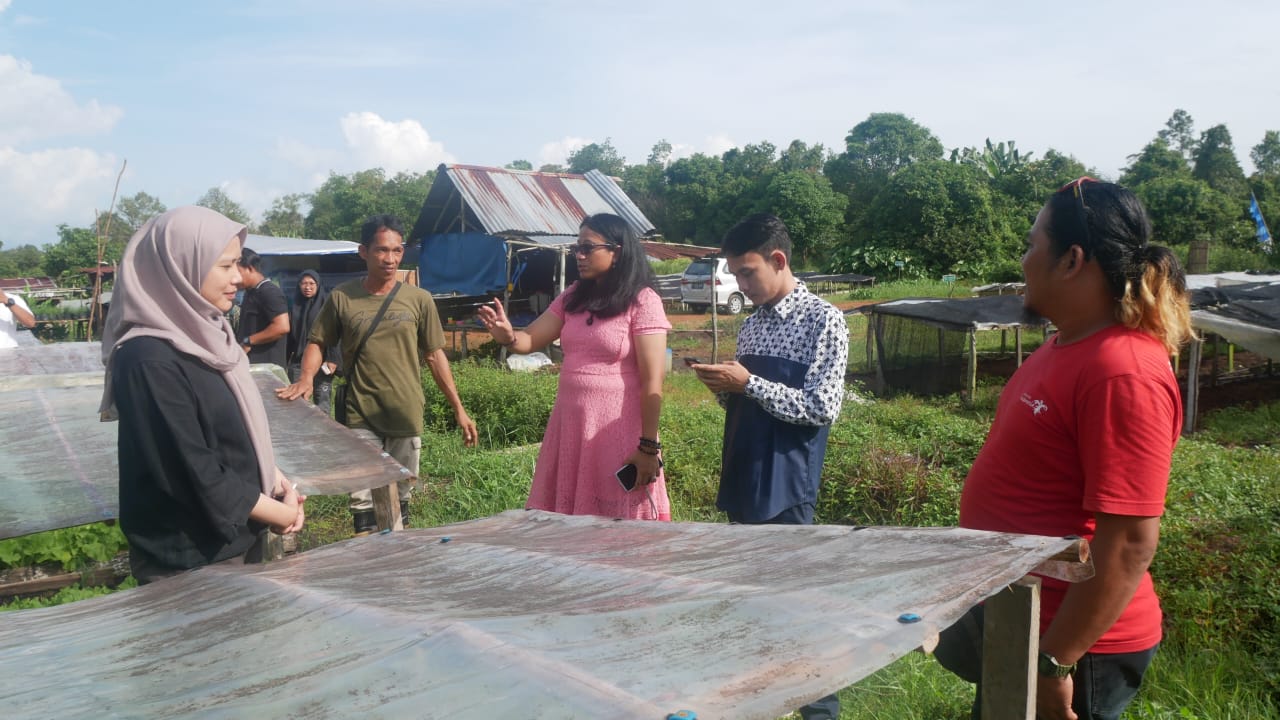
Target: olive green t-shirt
x,y
386,383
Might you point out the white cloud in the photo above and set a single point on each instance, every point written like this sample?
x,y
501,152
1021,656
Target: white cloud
x,y
557,152
39,190
393,146
4,5
34,107
717,145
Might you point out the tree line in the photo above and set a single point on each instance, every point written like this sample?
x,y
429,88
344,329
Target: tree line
x,y
892,195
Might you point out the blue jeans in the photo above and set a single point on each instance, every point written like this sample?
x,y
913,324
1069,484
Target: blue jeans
x,y
1104,683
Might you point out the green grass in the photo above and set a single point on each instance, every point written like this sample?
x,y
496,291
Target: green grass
x,y
898,289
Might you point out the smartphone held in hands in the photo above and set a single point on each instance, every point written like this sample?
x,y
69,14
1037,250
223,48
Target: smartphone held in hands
x,y
627,476
692,361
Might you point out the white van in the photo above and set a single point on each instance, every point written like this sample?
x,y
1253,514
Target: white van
x,y
696,284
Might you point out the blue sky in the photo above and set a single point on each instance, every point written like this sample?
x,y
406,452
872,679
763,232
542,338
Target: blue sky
x,y
263,98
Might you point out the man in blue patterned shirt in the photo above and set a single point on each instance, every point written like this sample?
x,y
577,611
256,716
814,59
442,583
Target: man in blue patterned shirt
x,y
782,392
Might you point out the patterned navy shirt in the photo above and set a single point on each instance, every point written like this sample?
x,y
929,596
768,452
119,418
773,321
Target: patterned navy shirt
x,y
775,434
806,329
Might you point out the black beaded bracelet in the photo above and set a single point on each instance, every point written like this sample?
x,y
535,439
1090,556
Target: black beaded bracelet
x,y
646,442
647,450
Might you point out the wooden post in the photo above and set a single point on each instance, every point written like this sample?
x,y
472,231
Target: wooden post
x,y
1010,647
877,323
1213,374
715,319
1192,396
871,345
1017,343
506,304
973,364
386,507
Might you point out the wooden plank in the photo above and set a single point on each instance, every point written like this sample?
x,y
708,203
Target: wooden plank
x,y
1192,396
1017,341
386,507
1010,645
39,585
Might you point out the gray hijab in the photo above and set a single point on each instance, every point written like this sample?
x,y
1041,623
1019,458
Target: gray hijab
x,y
157,294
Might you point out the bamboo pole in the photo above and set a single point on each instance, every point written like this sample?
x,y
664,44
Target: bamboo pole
x,y
102,247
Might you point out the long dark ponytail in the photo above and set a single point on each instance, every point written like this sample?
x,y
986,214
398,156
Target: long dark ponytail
x,y
1109,223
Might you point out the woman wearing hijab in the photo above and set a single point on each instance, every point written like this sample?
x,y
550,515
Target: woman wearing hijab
x,y
307,301
198,480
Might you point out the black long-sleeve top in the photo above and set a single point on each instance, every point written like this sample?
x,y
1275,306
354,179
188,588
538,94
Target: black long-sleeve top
x,y
188,472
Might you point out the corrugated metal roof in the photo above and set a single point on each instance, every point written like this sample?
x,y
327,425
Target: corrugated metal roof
x,y
37,283
526,614
671,251
610,190
517,202
269,245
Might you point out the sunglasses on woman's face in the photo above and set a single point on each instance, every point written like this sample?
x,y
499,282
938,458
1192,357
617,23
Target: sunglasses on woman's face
x,y
585,249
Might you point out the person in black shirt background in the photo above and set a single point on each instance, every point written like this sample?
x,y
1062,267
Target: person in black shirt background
x,y
264,314
198,480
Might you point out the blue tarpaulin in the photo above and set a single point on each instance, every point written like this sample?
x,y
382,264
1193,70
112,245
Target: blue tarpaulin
x,y
462,264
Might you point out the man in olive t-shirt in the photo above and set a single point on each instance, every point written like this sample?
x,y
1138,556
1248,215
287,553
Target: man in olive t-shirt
x,y
385,396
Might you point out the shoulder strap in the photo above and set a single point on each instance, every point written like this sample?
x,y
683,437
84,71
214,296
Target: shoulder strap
x,y
355,352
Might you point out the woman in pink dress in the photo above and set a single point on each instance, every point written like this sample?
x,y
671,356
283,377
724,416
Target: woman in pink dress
x,y
614,336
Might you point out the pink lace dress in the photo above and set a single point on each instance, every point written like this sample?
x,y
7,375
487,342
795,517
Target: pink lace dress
x,y
595,423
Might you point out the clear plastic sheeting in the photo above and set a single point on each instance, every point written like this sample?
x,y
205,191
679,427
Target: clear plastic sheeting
x,y
59,465
54,358
520,615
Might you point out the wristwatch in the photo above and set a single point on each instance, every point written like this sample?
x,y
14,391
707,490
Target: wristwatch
x,y
1049,667
10,303
245,341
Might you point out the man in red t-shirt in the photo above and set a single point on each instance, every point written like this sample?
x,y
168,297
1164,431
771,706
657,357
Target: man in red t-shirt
x,y
1082,444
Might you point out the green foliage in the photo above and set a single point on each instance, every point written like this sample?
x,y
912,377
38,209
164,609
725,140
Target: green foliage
x,y
284,218
509,408
217,200
598,156
1157,160
674,266
519,165
66,595
942,214
1243,426
812,211
898,289
898,463
77,248
72,548
22,261
1183,209
1266,155
343,202
1215,570
1216,164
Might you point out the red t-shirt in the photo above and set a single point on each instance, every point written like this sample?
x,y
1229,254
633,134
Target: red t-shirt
x,y
1080,429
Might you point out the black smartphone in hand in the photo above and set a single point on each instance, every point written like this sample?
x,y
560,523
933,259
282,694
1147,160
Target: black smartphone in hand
x,y
692,361
627,476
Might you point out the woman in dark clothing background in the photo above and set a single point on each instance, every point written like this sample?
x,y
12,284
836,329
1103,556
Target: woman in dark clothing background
x,y
198,480
307,301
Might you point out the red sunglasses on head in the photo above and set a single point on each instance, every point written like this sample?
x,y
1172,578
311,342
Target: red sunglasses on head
x,y
1078,191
